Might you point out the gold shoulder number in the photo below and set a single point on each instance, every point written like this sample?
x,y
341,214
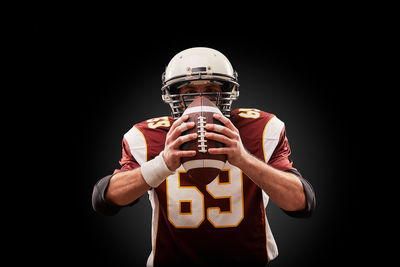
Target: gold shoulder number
x,y
158,122
249,113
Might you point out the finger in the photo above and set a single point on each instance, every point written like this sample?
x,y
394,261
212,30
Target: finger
x,y
184,153
180,129
183,139
184,126
178,122
219,137
222,150
225,121
221,129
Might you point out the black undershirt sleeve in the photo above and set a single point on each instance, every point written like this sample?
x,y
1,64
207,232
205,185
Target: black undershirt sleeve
x,y
310,199
99,202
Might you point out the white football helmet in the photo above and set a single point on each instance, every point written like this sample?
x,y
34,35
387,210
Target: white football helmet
x,y
199,63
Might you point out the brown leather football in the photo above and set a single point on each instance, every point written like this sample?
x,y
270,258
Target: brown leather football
x,y
203,167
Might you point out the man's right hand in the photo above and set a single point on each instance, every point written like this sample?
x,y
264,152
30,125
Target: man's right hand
x,y
172,154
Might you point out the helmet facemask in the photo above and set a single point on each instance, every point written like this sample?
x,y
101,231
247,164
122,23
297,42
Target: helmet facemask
x,y
179,102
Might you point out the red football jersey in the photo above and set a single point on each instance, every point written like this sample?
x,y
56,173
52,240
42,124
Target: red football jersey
x,y
223,221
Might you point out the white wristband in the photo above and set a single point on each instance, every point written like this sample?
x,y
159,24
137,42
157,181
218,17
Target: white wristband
x,y
155,171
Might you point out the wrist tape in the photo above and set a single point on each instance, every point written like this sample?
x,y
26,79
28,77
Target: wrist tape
x,y
155,171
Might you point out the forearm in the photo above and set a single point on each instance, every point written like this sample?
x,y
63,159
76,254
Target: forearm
x,y
285,189
126,187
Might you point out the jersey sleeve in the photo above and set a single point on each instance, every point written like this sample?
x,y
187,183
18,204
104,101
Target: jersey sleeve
x,y
280,159
132,143
277,152
127,161
141,143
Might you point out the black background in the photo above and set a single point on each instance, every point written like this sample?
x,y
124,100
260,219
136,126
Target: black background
x,y
95,78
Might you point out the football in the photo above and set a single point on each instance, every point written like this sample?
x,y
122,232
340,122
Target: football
x,y
203,167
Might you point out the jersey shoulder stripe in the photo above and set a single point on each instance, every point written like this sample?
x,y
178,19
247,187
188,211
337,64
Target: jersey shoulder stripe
x,y
147,138
137,144
271,135
259,130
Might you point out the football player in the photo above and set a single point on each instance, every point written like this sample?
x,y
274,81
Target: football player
x,y
224,221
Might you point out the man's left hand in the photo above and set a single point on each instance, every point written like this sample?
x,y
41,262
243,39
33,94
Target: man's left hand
x,y
229,136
